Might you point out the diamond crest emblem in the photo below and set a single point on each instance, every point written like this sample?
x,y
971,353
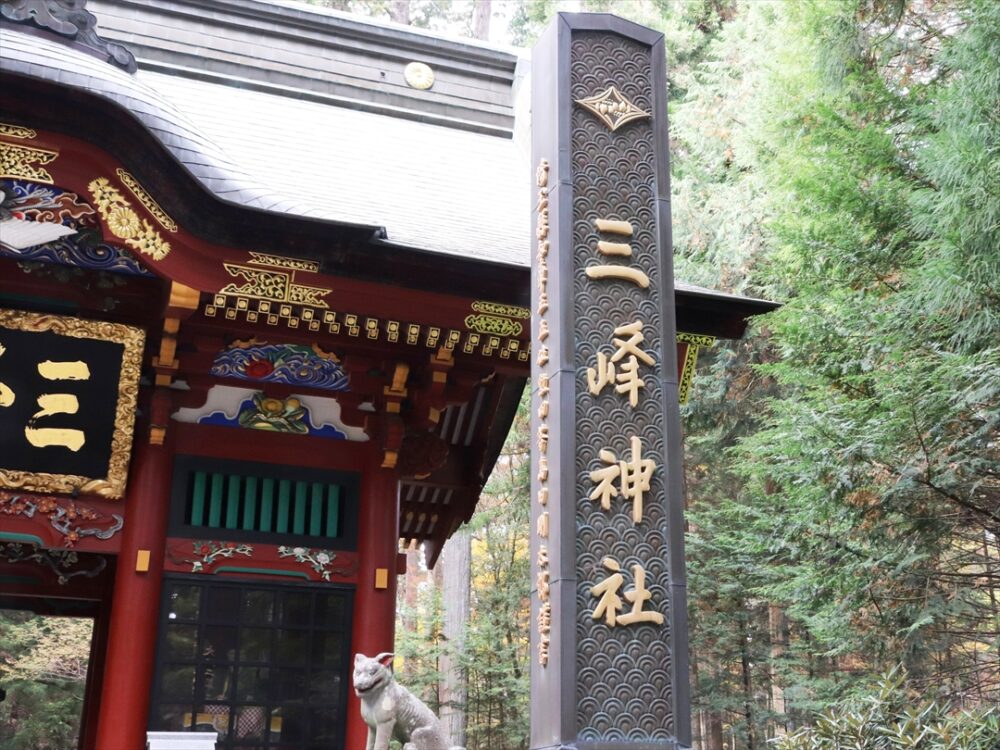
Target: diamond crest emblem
x,y
612,108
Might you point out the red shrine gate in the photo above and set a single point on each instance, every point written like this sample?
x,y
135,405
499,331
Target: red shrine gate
x,y
255,404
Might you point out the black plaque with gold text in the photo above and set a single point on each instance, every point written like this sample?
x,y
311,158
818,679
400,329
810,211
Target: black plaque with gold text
x,y
609,632
68,392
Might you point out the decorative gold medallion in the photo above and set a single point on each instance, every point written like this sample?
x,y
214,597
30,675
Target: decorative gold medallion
x,y
419,75
612,108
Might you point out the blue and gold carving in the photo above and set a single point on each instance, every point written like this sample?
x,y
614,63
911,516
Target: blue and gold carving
x,y
22,201
282,363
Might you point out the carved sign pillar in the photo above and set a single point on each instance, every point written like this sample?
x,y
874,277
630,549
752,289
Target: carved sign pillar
x,y
609,636
135,603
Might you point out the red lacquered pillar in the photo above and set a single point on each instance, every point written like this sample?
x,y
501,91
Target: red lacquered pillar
x,y
135,605
374,623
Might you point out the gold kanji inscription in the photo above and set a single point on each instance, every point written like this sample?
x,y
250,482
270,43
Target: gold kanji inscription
x,y
626,379
7,394
621,273
542,525
610,604
633,478
637,597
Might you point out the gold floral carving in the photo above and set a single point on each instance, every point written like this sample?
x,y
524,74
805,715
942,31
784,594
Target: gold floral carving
x,y
494,325
16,131
280,261
496,308
612,108
25,162
147,200
123,222
133,339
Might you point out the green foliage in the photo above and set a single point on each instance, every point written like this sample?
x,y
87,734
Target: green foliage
x,y
43,667
843,465
419,644
496,649
497,642
892,719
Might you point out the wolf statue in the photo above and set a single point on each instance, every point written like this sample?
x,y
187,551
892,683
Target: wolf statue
x,y
392,711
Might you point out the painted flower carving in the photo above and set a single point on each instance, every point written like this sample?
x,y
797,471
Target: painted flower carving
x,y
259,368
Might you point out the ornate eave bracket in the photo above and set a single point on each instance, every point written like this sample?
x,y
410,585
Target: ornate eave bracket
x,y
70,22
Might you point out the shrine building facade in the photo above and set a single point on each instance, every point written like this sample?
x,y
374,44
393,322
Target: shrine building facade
x,y
264,323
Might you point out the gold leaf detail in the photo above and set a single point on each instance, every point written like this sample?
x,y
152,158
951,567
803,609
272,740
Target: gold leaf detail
x,y
496,308
493,325
123,222
25,162
147,200
16,131
279,286
280,261
612,108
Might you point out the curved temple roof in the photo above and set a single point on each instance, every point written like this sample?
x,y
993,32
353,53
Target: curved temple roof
x,y
293,109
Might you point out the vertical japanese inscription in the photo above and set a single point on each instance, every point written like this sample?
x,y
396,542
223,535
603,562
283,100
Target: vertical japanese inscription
x,y
542,571
607,459
624,685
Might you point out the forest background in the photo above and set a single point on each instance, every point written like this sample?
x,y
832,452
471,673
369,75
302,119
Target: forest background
x,y
843,459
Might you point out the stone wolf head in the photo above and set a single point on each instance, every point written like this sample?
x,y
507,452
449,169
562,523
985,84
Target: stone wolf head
x,y
371,674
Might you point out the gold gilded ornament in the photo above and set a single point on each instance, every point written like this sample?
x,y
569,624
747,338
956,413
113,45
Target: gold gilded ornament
x,y
146,200
612,108
123,222
419,75
16,131
25,162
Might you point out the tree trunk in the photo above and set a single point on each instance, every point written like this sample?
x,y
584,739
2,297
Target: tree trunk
x,y
715,736
779,641
455,564
482,10
748,697
399,11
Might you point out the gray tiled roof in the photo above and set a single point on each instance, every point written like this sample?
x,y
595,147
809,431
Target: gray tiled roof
x,y
431,187
428,186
